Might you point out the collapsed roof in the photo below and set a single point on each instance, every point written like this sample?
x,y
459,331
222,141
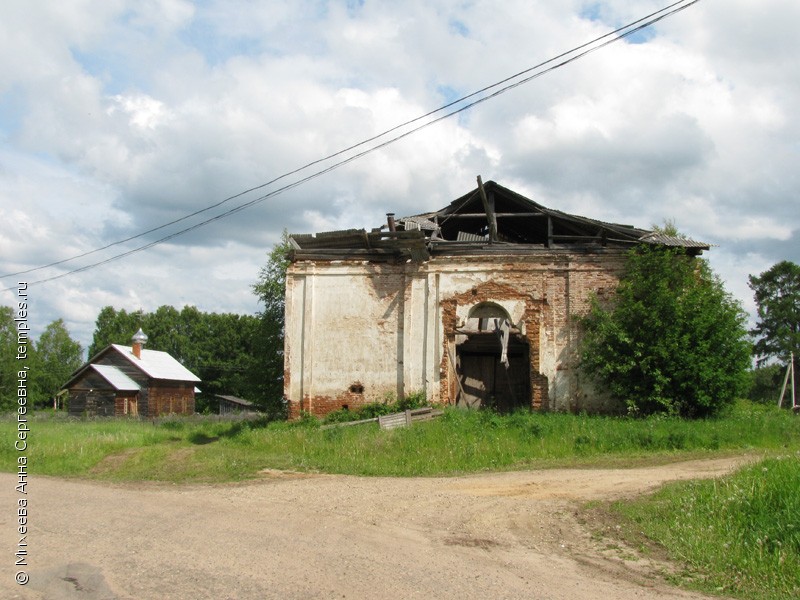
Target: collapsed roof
x,y
490,219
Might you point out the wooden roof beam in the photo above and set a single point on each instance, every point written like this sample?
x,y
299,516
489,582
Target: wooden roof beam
x,y
490,216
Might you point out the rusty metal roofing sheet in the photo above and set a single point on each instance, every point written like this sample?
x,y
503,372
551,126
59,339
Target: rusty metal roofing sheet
x,y
671,240
418,222
463,236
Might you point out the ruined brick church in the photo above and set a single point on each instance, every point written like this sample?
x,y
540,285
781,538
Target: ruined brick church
x,y
474,305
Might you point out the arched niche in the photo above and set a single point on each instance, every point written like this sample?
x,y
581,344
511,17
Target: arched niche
x,y
481,316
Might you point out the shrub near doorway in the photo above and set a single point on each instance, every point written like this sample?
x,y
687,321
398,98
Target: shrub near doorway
x,y
673,341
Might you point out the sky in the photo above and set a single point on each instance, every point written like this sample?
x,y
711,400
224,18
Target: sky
x,y
120,117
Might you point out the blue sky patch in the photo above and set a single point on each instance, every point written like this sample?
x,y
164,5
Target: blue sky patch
x,y
109,68
641,36
448,93
458,27
354,7
218,49
600,14
12,109
592,12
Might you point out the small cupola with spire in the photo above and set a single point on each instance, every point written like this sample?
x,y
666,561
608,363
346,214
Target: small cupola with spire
x,y
139,339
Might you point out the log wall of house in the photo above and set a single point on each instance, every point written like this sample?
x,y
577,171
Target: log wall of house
x,y
111,357
92,403
91,396
359,332
126,404
170,397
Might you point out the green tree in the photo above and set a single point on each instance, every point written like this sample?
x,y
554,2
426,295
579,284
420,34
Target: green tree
x,y
57,357
266,373
673,341
669,228
8,360
271,285
225,353
51,360
114,327
765,383
777,295
10,365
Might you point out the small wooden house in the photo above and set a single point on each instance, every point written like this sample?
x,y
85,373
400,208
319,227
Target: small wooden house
x,y
234,405
129,380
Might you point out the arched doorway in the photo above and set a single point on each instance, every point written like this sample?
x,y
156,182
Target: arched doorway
x,y
493,361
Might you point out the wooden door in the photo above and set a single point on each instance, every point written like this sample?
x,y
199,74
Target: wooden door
x,y
477,380
486,382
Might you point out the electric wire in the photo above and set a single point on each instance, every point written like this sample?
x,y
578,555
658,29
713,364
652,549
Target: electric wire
x,y
339,152
588,47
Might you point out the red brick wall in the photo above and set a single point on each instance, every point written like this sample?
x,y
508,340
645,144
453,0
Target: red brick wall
x,y
319,406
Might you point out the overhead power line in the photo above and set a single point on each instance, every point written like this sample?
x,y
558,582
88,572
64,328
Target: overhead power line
x,y
499,87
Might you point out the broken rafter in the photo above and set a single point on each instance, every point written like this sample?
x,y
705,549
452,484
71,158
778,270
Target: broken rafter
x,y
490,217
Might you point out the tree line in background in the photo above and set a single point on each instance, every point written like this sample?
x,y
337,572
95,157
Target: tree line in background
x,y
51,359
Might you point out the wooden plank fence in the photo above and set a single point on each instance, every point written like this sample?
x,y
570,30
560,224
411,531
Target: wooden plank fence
x,y
349,423
402,419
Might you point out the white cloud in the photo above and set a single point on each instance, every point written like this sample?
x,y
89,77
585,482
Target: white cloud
x,y
143,111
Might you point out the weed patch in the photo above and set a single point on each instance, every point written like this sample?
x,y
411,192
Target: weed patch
x,y
739,535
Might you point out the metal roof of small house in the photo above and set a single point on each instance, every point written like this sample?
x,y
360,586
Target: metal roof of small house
x,y
157,364
488,219
116,378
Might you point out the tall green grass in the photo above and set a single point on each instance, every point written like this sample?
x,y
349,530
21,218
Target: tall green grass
x,y
198,449
739,535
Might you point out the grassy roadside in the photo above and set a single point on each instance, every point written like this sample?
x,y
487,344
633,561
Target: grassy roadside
x,y
204,450
738,535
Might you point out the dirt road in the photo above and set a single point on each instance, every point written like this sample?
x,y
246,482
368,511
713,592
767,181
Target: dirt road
x,y
504,535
